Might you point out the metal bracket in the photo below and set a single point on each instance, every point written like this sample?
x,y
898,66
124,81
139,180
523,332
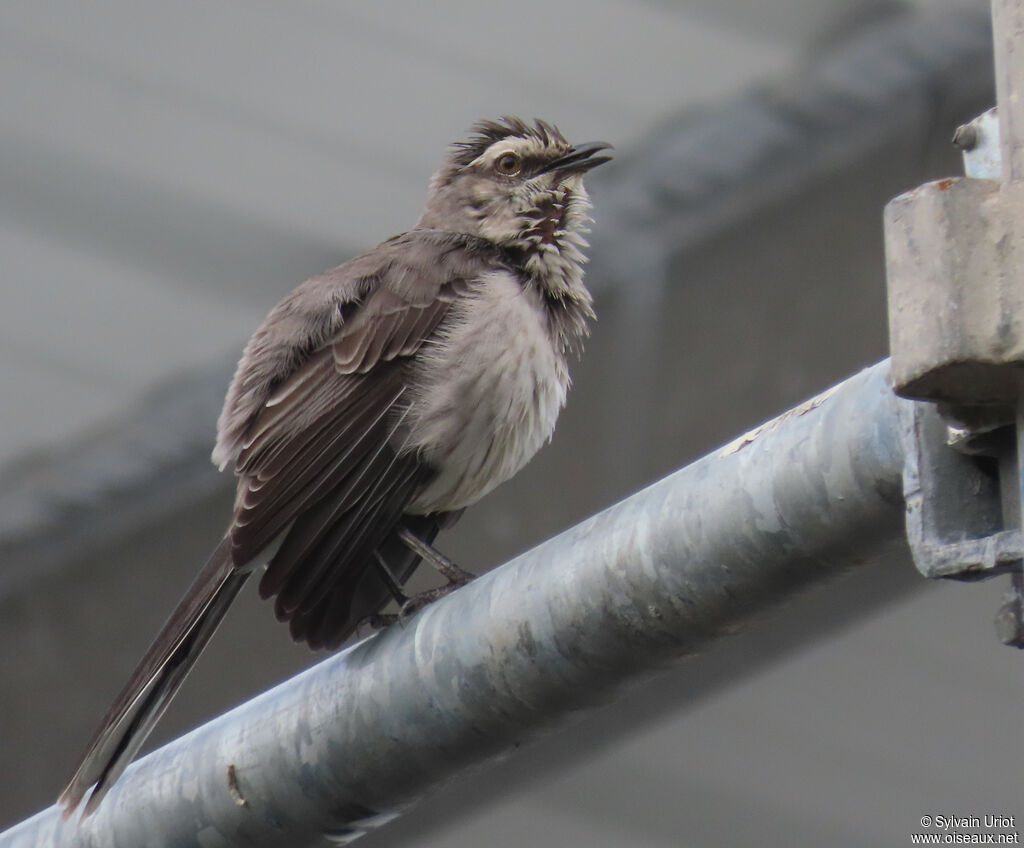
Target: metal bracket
x,y
951,487
957,327
955,267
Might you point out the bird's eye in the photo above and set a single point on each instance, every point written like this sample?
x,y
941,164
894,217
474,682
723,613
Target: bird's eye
x,y
508,164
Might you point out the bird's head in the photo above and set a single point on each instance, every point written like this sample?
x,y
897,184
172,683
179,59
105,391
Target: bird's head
x,y
517,185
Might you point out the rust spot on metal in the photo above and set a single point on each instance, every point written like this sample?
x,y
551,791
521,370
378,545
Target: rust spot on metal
x,y
945,184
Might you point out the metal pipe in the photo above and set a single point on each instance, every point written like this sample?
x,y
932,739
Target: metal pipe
x,y
348,744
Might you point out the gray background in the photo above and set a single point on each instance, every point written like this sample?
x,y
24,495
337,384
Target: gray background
x,y
168,171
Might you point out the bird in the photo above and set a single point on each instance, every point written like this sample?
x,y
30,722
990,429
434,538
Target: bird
x,y
376,402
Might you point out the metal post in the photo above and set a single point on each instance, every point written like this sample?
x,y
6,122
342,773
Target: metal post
x,y
348,744
1007,27
1010,618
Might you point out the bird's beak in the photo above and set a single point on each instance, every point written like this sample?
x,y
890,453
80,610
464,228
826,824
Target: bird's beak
x,y
580,159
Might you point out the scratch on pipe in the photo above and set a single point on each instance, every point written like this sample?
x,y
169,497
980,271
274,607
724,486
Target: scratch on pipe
x,y
233,788
750,436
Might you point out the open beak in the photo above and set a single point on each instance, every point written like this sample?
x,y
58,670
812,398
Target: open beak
x,y
580,159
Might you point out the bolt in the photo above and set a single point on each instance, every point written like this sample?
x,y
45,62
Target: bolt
x,y
965,137
1010,623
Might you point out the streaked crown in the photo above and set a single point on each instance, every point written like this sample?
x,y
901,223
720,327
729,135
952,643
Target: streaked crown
x,y
520,186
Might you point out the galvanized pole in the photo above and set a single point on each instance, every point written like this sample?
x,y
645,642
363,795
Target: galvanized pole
x,y
350,743
1007,28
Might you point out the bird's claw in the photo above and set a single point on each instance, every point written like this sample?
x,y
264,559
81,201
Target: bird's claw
x,y
415,603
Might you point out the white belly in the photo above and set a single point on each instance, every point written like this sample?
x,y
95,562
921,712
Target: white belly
x,y
492,390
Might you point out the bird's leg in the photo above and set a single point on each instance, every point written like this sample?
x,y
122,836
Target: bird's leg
x,y
389,580
407,605
381,620
445,567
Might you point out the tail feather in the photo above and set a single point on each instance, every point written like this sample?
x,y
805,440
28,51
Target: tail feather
x,y
156,680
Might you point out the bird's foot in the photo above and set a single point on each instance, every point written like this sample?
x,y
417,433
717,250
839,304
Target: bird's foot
x,y
380,620
408,605
416,602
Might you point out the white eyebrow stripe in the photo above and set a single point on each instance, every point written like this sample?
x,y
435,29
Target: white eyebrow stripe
x,y
522,146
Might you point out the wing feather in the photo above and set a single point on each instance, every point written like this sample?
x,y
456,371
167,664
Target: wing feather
x,y
321,460
313,425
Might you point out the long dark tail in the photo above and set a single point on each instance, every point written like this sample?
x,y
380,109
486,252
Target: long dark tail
x,y
156,680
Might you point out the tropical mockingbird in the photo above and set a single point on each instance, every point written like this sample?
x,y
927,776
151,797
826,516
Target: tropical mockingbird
x,y
380,399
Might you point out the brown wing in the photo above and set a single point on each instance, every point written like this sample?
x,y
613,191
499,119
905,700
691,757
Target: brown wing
x,y
313,424
323,464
